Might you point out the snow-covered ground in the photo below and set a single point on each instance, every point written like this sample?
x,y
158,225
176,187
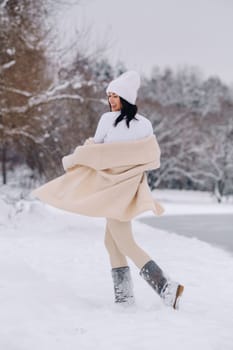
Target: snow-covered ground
x,y
56,290
181,202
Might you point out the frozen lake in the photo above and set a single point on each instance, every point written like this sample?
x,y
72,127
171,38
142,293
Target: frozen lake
x,y
214,229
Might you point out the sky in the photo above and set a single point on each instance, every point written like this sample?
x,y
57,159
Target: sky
x,y
147,33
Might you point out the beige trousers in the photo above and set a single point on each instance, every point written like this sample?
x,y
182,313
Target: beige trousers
x,y
120,243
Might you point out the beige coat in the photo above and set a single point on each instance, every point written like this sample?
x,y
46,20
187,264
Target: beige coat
x,y
106,180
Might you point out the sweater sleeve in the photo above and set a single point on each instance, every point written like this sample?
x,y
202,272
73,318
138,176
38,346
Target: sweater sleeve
x,y
101,129
150,129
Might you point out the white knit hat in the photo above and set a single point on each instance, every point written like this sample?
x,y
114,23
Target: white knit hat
x,y
126,86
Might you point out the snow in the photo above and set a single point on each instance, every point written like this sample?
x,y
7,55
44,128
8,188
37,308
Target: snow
x,y
7,65
181,202
56,290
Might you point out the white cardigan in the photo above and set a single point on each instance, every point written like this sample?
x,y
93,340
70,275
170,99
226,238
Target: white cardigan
x,y
107,133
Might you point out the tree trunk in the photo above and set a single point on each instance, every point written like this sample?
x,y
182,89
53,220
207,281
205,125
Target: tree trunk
x,y
218,190
4,178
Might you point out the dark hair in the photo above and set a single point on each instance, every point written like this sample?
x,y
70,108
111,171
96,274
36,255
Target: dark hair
x,y
128,110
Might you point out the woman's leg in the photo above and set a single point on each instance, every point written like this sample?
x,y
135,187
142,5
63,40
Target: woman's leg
x,y
122,281
168,290
121,232
117,259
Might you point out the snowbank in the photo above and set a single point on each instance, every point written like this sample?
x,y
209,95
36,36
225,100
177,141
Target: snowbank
x,y
181,202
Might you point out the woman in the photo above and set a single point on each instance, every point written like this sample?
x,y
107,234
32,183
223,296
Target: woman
x,y
124,124
106,177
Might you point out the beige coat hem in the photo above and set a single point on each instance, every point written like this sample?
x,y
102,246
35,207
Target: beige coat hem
x,y
106,180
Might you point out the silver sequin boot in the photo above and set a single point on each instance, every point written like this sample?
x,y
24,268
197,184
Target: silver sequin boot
x,y
123,285
169,291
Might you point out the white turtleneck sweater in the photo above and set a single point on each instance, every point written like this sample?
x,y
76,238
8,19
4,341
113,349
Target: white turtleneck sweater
x,y
107,133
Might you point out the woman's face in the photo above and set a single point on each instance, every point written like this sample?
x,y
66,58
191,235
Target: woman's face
x,y
114,101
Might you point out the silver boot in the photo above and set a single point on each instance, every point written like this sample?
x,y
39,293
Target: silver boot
x,y
171,294
169,291
123,285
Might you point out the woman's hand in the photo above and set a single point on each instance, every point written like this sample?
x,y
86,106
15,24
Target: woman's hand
x,y
89,141
68,161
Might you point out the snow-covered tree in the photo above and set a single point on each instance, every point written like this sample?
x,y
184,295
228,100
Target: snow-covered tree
x,y
47,103
22,73
192,120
